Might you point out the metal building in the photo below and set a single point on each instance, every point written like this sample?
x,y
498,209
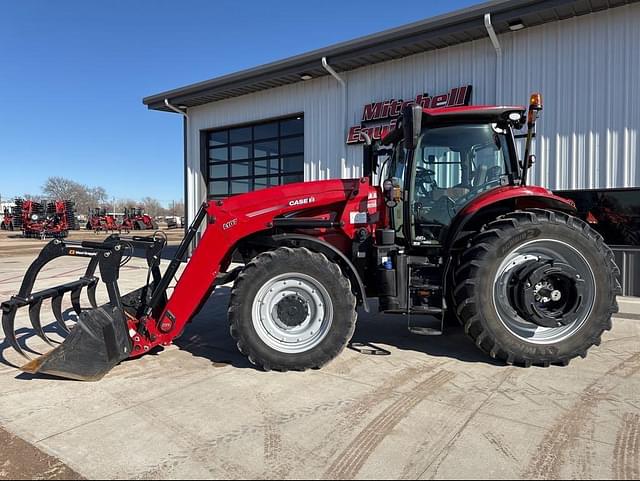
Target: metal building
x,y
299,118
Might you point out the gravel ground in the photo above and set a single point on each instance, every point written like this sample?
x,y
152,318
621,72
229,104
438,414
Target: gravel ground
x,y
21,460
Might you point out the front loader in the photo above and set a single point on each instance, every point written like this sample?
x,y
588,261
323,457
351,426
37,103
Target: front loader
x,y
453,228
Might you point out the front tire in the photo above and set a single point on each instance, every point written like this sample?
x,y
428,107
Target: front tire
x,y
536,287
292,309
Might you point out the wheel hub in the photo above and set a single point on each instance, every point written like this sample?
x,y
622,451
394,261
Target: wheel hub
x,y
547,293
292,313
292,310
544,292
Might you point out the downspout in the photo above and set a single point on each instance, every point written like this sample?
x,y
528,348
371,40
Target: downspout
x,y
185,130
345,120
498,49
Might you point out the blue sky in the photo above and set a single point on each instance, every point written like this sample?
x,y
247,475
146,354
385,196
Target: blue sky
x,y
73,75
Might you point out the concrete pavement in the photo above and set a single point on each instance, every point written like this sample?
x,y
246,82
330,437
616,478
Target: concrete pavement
x,y
435,408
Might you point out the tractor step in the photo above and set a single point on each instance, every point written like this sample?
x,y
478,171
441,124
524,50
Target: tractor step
x,y
425,331
426,326
426,287
426,310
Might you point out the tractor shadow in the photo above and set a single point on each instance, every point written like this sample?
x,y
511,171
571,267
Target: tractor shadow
x,y
25,337
376,330
208,335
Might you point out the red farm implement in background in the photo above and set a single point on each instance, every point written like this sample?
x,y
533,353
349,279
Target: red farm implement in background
x,y
136,219
7,220
101,221
36,220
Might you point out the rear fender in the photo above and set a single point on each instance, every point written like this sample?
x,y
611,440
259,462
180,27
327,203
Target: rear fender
x,y
322,247
502,200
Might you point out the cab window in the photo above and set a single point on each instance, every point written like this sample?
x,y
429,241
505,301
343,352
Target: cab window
x,y
453,164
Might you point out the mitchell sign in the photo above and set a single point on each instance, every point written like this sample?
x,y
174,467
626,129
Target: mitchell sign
x,y
391,109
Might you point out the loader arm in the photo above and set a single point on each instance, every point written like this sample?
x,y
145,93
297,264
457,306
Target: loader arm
x,y
131,325
331,204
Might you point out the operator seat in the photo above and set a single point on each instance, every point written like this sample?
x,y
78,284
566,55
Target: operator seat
x,y
480,176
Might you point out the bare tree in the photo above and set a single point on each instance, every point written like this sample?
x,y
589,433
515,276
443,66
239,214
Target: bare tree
x,y
122,204
84,197
61,188
153,207
176,208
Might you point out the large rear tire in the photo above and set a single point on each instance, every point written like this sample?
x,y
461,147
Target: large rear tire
x,y
292,309
536,287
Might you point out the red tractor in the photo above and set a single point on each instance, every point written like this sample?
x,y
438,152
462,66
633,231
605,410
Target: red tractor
x,y
452,228
99,221
136,219
7,220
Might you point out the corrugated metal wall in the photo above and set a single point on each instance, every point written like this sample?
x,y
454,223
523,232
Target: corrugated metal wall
x,y
587,68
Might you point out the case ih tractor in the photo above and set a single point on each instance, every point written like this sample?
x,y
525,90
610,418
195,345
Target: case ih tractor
x,y
454,228
99,221
136,219
7,220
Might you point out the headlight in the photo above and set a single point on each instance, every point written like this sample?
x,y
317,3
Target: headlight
x,y
34,217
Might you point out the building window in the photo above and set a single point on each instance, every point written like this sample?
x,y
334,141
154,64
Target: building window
x,y
254,157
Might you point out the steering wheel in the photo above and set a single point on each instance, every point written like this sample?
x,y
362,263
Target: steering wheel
x,y
425,177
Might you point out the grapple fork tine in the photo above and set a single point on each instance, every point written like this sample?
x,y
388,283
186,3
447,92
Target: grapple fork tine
x,y
8,326
75,299
91,293
34,316
56,307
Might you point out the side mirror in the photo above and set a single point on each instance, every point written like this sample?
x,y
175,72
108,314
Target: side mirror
x,y
369,158
412,125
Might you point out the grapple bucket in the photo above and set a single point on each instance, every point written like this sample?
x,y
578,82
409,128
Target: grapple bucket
x,y
97,343
100,338
34,300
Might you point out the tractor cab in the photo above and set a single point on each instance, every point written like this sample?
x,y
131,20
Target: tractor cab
x,y
440,160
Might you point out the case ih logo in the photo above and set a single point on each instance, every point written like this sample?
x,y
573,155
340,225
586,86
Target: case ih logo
x,y
308,200
391,109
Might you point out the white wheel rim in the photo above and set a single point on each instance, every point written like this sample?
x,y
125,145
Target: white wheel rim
x,y
312,305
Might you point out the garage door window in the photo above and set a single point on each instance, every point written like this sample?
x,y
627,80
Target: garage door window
x,y
248,158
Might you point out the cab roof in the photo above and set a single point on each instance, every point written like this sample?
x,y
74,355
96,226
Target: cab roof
x,y
472,113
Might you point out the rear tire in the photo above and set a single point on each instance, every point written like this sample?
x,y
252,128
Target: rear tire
x,y
292,309
521,319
